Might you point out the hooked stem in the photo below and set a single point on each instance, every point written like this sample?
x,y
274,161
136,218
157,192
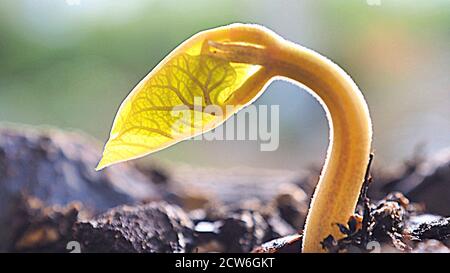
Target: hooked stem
x,y
337,191
342,176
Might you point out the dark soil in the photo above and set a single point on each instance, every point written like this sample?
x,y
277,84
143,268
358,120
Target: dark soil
x,y
51,198
56,168
155,227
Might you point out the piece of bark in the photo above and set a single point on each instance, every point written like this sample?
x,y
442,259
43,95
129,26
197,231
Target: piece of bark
x,y
286,244
437,230
154,227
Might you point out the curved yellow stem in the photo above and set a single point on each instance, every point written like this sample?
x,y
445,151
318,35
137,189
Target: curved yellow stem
x,y
337,192
338,189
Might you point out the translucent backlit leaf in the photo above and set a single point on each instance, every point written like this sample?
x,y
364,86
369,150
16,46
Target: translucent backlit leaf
x,y
170,104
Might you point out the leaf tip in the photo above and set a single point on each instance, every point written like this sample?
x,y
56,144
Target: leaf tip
x,y
102,164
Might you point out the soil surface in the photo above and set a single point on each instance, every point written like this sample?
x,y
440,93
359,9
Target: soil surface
x,y
52,200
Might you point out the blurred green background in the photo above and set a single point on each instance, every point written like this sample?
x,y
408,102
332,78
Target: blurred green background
x,y
69,64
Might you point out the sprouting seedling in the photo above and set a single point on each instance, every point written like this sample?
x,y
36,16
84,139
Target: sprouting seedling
x,y
232,65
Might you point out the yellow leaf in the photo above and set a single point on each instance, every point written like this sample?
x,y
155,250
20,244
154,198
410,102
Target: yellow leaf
x,y
170,104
